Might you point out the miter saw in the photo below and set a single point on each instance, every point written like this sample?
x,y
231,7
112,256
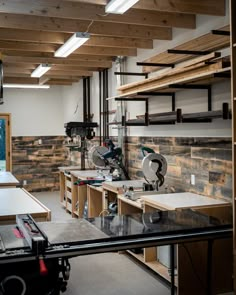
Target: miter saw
x,y
154,167
109,156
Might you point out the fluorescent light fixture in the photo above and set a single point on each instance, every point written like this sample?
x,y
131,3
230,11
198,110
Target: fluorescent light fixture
x,y
40,70
119,6
72,44
26,86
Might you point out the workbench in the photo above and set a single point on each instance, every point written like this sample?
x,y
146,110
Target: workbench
x,y
18,201
7,179
78,193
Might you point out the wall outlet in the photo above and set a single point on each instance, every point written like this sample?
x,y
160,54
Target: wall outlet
x,y
24,182
192,179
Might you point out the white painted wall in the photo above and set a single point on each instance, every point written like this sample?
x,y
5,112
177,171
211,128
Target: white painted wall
x,y
73,102
36,112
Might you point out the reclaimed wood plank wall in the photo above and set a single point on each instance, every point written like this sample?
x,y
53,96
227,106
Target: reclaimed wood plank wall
x,y
209,159
37,162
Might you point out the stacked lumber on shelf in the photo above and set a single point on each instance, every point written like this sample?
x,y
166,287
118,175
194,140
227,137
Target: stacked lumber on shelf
x,y
199,70
208,42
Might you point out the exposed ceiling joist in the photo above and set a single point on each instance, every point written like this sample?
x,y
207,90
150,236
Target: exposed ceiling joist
x,y
110,51
22,75
209,7
84,11
70,73
60,38
56,61
97,50
40,23
43,80
46,55
61,82
20,80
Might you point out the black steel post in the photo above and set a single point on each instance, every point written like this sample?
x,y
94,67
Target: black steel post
x,y
209,93
172,268
173,102
88,100
100,108
103,105
84,100
107,105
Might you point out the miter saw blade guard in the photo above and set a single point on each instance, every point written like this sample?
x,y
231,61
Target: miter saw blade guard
x,y
96,154
109,156
154,167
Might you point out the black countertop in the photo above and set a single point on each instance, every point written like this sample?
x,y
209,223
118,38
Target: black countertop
x,y
119,232
158,223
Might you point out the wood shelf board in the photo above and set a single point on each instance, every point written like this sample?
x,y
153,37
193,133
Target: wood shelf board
x,y
161,269
182,200
96,188
179,72
117,186
68,168
76,213
156,266
139,257
205,75
207,42
85,174
136,204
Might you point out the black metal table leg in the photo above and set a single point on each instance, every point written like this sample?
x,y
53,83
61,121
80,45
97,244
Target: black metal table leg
x,y
209,267
172,268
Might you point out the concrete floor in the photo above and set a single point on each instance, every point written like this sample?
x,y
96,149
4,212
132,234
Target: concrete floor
x,y
104,274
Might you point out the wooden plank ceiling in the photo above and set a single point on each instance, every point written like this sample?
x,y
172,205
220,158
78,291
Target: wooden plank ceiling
x,y
31,31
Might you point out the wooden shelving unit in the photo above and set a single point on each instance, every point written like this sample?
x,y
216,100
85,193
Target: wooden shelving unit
x,y
233,95
95,201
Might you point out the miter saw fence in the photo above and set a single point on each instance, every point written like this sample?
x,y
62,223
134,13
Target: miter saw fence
x,y
154,167
109,156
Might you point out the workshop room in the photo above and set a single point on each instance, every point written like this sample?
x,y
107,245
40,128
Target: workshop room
x,y
117,147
